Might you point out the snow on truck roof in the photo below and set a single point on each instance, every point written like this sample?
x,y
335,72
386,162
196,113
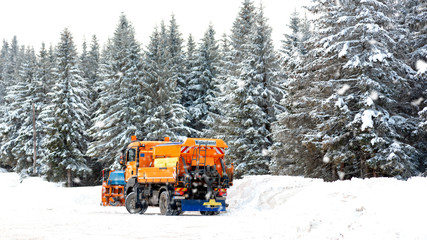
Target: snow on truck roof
x,y
205,142
211,142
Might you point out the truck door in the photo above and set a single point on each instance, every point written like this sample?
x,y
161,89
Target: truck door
x,y
130,163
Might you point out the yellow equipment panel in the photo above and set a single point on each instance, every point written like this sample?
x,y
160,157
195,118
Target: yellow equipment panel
x,y
165,162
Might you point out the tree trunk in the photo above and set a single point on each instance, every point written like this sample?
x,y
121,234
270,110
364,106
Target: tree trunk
x,y
34,141
70,183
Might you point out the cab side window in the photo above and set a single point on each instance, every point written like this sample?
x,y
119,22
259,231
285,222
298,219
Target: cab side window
x,y
131,155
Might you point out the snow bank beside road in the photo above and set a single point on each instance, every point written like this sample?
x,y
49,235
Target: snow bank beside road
x,y
382,208
261,207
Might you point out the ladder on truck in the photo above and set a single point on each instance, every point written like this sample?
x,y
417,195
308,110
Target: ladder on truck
x,y
197,155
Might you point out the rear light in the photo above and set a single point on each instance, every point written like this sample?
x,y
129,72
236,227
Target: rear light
x,y
222,192
180,191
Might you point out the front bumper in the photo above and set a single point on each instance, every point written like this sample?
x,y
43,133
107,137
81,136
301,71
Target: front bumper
x,y
211,205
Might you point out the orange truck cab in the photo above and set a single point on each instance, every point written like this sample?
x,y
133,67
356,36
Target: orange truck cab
x,y
191,175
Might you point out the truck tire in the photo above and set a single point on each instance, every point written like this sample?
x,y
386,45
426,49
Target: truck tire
x,y
133,207
164,202
165,206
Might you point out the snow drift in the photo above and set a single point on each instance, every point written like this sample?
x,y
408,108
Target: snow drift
x,y
261,207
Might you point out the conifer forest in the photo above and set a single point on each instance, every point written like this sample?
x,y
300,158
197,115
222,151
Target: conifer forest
x,y
343,96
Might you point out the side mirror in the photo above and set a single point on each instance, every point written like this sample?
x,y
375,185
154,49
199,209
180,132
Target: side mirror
x,y
121,160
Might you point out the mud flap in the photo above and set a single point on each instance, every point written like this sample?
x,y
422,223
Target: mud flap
x,y
203,205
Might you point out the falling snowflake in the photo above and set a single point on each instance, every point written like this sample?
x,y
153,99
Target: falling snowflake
x,y
374,95
417,102
326,159
265,152
343,89
372,42
421,66
240,83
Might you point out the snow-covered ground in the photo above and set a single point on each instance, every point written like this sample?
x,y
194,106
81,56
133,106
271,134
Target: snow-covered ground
x,y
261,207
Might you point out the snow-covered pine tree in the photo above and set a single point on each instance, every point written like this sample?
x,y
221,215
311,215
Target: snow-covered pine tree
x,y
292,40
17,112
89,65
413,48
26,99
189,64
4,54
65,116
165,115
14,59
93,72
10,121
293,46
44,76
305,34
43,83
348,110
242,28
84,61
3,66
253,102
9,66
217,122
176,56
200,84
121,111
415,17
228,124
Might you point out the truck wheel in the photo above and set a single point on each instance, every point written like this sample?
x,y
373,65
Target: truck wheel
x,y
164,202
165,208
133,207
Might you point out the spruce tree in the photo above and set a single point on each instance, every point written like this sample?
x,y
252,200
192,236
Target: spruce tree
x,y
250,94
121,93
293,46
228,124
165,115
10,112
4,53
176,56
200,85
254,101
241,30
292,40
65,142
217,121
9,66
348,108
93,73
43,83
190,64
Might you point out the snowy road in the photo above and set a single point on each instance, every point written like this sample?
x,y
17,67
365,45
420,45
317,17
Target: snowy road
x,y
261,207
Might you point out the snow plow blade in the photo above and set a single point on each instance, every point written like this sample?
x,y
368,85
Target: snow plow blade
x,y
203,205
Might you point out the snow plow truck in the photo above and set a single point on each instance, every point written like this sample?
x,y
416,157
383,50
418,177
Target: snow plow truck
x,y
175,176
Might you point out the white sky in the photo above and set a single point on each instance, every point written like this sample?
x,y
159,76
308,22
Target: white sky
x,y
34,22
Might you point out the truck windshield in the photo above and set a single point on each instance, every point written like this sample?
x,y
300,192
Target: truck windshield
x,y
131,155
